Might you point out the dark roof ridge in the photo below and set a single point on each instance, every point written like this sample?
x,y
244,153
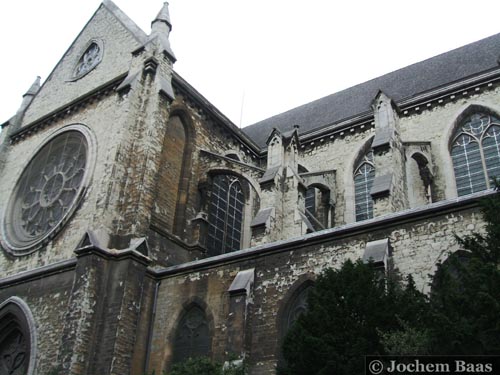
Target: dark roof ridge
x,y
400,84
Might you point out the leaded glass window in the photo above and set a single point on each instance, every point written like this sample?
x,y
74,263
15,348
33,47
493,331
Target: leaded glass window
x,y
363,181
47,192
192,337
225,215
475,153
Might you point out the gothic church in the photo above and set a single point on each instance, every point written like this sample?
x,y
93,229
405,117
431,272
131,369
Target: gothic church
x,y
139,226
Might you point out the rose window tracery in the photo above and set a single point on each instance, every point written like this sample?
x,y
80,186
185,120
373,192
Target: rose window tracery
x,y
47,191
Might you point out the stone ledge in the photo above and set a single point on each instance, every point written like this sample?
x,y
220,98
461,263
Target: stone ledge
x,y
367,226
38,273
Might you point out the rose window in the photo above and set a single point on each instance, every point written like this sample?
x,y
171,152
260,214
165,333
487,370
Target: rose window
x,y
47,191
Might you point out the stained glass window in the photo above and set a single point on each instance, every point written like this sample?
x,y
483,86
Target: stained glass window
x,y
363,181
225,215
475,152
192,337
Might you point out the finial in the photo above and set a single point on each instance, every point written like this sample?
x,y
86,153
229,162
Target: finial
x,y
163,16
160,31
34,88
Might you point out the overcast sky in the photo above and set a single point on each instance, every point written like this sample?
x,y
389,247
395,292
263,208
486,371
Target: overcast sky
x,y
253,58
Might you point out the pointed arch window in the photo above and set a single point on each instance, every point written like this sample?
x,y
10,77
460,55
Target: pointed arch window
x,y
225,215
17,338
475,152
192,338
364,175
294,308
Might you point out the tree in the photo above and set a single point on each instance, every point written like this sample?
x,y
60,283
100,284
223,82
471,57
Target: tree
x,y
465,298
348,310
353,311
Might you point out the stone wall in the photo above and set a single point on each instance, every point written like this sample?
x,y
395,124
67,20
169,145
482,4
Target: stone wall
x,y
47,296
419,239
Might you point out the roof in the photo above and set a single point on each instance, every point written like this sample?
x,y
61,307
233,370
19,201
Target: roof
x,y
404,83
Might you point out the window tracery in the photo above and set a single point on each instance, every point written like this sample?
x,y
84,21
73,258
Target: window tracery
x,y
16,338
225,215
89,60
47,192
192,337
363,181
475,152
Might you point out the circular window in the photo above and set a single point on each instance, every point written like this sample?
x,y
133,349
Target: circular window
x,y
47,192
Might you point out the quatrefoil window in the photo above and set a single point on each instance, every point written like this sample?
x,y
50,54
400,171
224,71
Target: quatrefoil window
x,y
47,192
89,60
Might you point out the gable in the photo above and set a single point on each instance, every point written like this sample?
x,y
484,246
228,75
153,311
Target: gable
x,y
115,36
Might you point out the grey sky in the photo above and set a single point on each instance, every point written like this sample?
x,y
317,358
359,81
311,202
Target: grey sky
x,y
269,55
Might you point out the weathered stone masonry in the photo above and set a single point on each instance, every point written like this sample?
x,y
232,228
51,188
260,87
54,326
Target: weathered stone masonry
x,y
125,281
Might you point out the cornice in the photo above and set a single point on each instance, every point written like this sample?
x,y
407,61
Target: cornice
x,y
66,110
417,104
38,273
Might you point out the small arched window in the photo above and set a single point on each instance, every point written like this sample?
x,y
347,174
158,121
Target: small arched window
x,y
475,152
225,215
297,306
192,337
364,175
294,307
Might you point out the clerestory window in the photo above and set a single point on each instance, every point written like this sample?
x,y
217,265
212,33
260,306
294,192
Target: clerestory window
x,y
225,215
364,175
475,152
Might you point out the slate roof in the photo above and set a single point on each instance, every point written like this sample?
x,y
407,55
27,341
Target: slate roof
x,y
404,83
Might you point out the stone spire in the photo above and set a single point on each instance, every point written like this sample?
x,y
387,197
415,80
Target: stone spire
x,y
35,87
27,99
163,17
160,31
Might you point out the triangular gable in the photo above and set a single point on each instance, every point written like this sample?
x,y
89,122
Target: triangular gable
x,y
115,35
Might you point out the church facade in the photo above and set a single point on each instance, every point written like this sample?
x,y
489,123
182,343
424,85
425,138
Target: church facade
x,y
141,227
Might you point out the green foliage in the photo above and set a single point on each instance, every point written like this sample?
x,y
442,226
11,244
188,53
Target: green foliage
x,y
348,309
466,297
205,366
354,312
194,366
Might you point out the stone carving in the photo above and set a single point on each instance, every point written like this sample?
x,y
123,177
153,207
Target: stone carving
x,y
13,354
